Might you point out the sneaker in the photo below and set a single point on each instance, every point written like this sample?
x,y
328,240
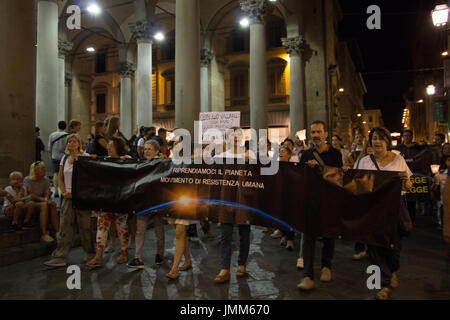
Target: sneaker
x,y
306,284
266,230
47,238
325,275
56,262
276,234
27,225
158,259
14,227
135,264
359,256
283,241
290,245
300,264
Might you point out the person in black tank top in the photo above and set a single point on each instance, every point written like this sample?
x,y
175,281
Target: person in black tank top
x,y
100,142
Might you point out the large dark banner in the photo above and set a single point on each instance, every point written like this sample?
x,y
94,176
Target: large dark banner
x,y
358,206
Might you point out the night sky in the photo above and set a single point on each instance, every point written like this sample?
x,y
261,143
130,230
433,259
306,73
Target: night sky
x,y
407,41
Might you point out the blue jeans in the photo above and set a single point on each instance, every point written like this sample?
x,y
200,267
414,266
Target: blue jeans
x,y
225,244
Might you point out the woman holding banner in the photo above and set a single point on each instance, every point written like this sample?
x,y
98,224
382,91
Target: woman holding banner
x,y
388,259
116,149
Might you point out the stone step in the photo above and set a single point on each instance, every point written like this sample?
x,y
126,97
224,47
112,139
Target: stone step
x,y
25,252
4,224
19,238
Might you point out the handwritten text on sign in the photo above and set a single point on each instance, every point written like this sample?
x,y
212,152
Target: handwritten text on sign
x,y
214,124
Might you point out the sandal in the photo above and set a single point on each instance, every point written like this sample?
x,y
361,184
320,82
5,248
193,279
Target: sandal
x,y
186,266
241,272
383,294
222,278
173,275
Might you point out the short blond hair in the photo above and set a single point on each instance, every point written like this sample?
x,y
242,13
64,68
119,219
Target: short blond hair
x,y
15,174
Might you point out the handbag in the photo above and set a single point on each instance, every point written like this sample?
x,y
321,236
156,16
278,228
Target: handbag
x,y
405,224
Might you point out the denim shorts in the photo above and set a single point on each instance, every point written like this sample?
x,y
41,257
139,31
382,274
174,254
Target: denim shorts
x,y
55,165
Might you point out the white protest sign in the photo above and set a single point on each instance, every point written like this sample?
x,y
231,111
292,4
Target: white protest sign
x,y
214,124
301,134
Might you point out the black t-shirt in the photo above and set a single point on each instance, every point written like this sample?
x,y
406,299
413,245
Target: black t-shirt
x,y
98,148
39,148
332,157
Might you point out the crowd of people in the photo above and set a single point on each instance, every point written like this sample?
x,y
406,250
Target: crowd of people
x,y
24,196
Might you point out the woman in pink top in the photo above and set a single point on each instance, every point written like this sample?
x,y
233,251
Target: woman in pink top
x,y
68,212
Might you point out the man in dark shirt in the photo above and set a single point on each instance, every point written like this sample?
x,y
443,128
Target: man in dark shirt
x,y
39,144
325,155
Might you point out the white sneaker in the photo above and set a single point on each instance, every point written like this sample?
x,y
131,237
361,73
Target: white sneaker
x,y
300,264
283,241
276,234
47,238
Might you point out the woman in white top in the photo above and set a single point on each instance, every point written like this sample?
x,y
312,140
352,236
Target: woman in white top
x,y
68,212
388,259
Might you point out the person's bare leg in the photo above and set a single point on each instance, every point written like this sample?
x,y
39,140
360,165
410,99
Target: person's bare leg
x,y
43,217
180,242
187,256
28,207
18,212
55,183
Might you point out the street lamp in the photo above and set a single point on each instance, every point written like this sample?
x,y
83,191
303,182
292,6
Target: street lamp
x,y
440,15
244,22
94,8
431,90
159,36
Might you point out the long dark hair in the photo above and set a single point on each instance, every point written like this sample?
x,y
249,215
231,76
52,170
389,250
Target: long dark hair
x,y
120,146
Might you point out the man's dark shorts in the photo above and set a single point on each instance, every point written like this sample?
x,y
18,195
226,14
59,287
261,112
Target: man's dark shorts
x,y
55,165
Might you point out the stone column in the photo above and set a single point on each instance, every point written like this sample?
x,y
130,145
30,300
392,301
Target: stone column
x,y
67,91
18,83
255,11
64,47
47,68
205,61
296,47
126,70
187,64
141,31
